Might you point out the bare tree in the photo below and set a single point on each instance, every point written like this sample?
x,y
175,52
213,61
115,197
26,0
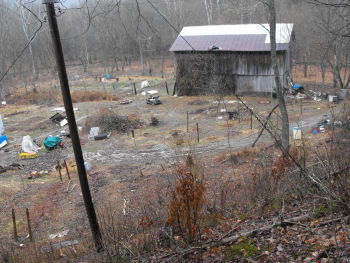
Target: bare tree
x,y
279,91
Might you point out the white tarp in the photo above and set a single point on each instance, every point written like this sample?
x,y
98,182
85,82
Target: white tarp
x,y
28,145
1,126
144,84
152,92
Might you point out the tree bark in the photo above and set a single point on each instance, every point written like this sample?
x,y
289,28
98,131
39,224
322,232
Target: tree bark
x,y
280,97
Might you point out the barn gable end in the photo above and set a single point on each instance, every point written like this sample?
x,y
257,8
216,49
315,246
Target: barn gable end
x,y
229,63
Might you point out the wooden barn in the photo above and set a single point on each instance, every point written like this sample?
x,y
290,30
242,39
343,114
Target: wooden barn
x,y
230,59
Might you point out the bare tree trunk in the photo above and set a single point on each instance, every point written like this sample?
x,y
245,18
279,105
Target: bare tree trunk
x,y
280,97
25,30
209,10
323,73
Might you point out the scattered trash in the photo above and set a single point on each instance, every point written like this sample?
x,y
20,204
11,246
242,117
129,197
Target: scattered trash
x,y
52,142
153,100
124,102
28,155
60,234
28,145
220,118
3,103
80,128
87,166
53,247
62,109
333,99
58,109
301,96
143,93
297,88
3,141
152,92
264,102
145,84
100,137
65,134
232,115
1,126
97,174
316,99
94,131
57,118
322,129
296,133
223,110
315,131
63,122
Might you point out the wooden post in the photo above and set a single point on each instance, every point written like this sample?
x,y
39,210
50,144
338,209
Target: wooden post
x,y
197,132
174,91
188,123
29,226
65,164
166,86
301,106
135,88
59,170
251,120
133,137
15,235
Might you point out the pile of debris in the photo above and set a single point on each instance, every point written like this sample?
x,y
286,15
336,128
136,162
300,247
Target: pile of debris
x,y
108,121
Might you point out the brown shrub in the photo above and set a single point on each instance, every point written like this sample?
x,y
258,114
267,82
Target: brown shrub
x,y
85,95
34,97
186,213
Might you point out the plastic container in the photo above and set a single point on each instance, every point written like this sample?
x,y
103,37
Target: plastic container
x,y
297,133
87,166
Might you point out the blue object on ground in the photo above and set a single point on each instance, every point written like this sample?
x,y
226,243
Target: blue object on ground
x,y
51,142
297,86
3,140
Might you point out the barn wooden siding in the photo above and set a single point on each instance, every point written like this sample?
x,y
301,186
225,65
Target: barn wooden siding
x,y
228,72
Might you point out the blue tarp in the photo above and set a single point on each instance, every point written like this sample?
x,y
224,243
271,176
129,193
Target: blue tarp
x,y
51,142
3,140
297,86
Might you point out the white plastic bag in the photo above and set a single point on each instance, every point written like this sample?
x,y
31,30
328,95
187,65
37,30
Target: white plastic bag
x,y
28,145
94,131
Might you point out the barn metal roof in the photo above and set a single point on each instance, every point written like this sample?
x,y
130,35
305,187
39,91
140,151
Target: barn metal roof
x,y
252,37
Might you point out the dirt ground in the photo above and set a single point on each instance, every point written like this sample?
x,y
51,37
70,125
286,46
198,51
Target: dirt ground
x,y
121,169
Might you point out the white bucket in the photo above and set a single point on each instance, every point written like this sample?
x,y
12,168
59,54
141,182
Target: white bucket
x,y
297,133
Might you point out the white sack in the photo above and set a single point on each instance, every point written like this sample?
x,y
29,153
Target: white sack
x,y
28,145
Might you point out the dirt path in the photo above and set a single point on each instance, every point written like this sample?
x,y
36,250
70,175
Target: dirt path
x,y
163,152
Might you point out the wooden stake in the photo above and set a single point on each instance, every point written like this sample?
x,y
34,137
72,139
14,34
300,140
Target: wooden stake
x,y
133,137
251,121
166,86
59,170
197,132
15,235
135,88
301,106
29,226
188,123
65,164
